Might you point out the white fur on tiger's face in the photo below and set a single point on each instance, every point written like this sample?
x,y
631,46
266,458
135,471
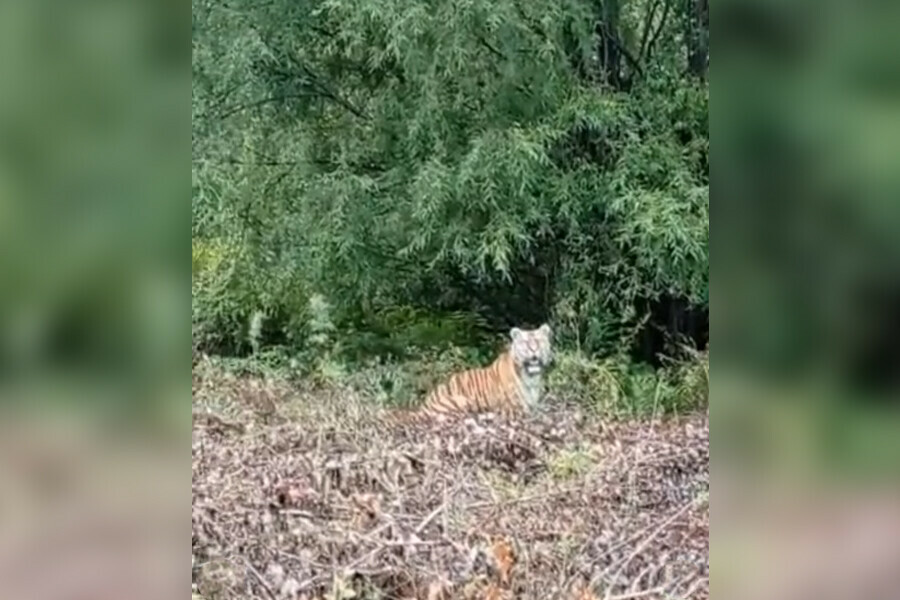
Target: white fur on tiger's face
x,y
531,350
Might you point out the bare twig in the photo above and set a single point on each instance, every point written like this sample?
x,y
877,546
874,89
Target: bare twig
x,y
646,541
640,594
519,500
308,583
430,517
694,587
262,580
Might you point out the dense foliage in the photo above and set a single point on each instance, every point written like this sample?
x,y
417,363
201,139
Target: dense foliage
x,y
438,171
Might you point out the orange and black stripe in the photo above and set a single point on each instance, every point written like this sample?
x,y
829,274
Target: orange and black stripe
x,y
495,388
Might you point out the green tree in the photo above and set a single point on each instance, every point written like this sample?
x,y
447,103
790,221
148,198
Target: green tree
x,y
520,161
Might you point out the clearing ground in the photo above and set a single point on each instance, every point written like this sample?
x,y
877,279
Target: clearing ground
x,y
301,493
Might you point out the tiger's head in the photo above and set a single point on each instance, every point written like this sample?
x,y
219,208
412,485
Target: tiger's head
x,y
530,349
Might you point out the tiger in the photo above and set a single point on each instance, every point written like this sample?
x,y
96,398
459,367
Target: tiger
x,y
513,384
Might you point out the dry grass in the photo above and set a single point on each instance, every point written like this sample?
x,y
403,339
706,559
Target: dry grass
x,y
302,493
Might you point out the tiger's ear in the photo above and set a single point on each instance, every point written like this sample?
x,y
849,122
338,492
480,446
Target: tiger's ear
x,y
515,333
545,329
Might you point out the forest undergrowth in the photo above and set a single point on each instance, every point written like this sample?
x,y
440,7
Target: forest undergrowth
x,y
301,491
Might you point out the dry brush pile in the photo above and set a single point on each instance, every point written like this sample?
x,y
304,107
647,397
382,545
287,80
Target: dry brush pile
x,y
307,494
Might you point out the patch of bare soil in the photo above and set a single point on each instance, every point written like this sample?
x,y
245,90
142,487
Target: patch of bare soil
x,y
308,494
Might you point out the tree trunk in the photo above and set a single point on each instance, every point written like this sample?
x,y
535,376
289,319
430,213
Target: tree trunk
x,y
697,35
608,45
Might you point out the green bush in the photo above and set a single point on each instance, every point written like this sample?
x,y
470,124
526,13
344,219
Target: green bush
x,y
621,388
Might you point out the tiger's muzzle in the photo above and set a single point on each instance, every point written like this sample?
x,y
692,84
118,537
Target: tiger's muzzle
x,y
533,366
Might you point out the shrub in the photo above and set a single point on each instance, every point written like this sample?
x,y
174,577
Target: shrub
x,y
620,387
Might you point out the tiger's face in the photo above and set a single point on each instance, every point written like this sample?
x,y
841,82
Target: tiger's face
x,y
531,349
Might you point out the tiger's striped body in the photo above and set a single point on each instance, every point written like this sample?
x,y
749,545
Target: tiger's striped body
x,y
512,384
